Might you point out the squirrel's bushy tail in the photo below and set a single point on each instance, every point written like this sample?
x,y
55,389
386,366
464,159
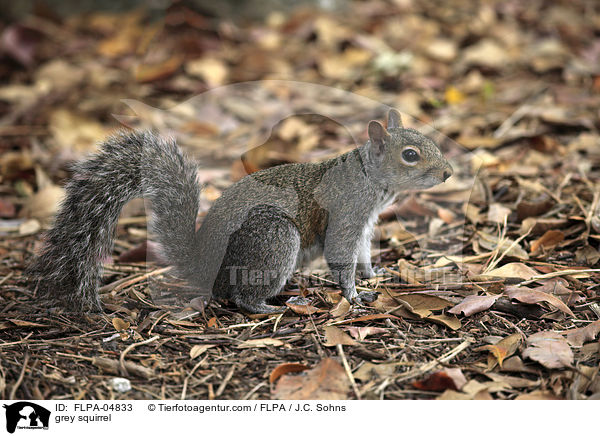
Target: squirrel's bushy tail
x,y
128,165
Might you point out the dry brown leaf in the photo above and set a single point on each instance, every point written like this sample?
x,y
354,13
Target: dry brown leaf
x,y
447,320
538,395
513,270
504,348
370,371
550,349
508,246
150,72
302,309
474,304
120,324
498,213
371,317
535,207
260,343
326,381
212,70
26,324
577,337
72,131
587,255
451,378
341,308
421,306
198,350
532,296
549,240
360,333
286,368
336,336
43,205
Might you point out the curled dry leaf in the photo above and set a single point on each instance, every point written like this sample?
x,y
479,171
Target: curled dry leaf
x,y
474,304
550,349
532,296
286,368
326,381
578,337
502,349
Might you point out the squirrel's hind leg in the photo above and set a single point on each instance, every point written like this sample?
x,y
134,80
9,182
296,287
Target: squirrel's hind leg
x,y
260,258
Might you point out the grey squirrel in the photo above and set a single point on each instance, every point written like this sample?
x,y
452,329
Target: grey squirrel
x,y
254,236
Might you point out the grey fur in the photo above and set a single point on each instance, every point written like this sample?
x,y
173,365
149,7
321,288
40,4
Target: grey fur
x,y
255,235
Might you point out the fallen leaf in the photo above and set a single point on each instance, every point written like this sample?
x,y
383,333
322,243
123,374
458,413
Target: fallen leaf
x,y
372,317
498,213
286,368
587,255
538,395
370,370
335,336
532,296
451,378
502,349
508,246
43,205
150,72
577,337
360,333
549,240
120,324
513,270
474,304
197,350
212,70
260,343
550,349
341,308
302,309
326,381
535,207
29,227
25,324
515,364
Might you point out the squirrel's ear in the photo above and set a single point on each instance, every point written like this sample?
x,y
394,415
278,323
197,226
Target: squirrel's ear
x,y
378,136
394,119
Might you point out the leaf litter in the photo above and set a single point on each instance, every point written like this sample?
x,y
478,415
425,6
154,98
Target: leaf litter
x,y
492,287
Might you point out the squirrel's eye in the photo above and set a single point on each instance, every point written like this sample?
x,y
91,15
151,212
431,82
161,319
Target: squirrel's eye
x,y
410,156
